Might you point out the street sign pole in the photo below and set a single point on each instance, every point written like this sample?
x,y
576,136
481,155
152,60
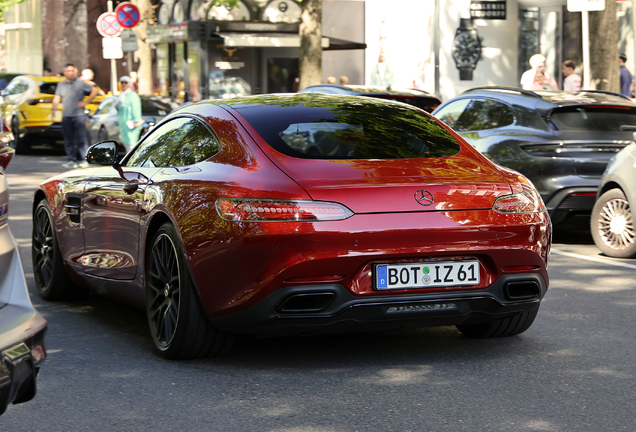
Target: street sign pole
x,y
113,63
585,27
584,6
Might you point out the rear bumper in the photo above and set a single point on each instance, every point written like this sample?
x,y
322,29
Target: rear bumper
x,y
566,204
19,366
48,133
331,308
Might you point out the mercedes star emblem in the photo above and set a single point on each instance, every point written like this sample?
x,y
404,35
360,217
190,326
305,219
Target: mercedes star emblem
x,y
424,197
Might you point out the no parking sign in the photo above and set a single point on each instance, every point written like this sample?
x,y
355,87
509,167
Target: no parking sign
x,y
127,15
108,26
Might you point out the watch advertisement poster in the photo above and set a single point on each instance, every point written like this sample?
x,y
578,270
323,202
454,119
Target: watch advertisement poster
x,y
488,9
466,50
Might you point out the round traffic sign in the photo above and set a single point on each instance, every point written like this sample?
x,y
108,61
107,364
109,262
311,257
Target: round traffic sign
x,y
108,26
127,15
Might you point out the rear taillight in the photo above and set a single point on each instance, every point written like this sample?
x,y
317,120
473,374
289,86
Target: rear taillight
x,y
5,156
586,194
523,202
4,209
265,210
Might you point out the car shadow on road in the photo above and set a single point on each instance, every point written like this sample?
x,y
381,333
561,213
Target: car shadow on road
x,y
127,329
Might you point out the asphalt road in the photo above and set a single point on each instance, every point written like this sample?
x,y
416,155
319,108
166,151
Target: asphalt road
x,y
573,370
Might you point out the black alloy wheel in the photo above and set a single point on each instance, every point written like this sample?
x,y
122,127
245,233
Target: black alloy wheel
x,y
20,145
178,326
612,225
102,135
51,279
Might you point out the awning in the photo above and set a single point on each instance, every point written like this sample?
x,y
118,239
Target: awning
x,y
282,40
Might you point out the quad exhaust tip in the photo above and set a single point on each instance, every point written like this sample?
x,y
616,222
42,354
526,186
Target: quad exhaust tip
x,y
306,302
521,290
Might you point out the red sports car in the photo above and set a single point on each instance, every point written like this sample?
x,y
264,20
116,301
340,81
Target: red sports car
x,y
296,214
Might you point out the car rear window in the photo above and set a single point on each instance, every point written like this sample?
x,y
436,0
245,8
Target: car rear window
x,y
609,119
336,127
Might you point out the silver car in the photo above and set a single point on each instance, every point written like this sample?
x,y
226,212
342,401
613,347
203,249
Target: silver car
x,y
22,328
104,125
612,220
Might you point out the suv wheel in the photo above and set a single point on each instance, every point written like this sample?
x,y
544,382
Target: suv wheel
x,y
612,225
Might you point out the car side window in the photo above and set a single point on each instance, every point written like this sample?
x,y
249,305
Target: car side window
x,y
107,106
482,114
16,86
157,149
200,144
450,114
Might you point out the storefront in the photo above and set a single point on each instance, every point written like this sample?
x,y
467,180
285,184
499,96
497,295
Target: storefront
x,y
224,56
478,42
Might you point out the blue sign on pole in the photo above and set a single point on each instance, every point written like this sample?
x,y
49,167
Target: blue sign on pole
x,y
127,15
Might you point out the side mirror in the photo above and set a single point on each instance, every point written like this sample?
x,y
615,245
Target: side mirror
x,y
102,153
150,121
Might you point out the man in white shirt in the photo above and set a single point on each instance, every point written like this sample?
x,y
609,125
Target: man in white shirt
x,y
528,76
572,81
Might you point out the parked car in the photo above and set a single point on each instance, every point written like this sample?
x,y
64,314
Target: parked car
x,y
561,141
6,77
22,328
221,221
612,222
25,107
103,124
418,98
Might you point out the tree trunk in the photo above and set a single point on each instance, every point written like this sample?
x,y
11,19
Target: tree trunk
x,y
310,61
75,33
604,49
143,54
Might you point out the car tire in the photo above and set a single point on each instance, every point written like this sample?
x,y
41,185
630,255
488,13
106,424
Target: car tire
x,y
612,225
20,144
179,327
51,279
102,135
509,326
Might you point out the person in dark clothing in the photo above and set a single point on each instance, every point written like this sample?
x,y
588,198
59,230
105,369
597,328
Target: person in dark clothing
x,y
626,77
71,92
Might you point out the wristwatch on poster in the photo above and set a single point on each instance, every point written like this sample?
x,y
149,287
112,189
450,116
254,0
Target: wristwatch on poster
x,y
466,49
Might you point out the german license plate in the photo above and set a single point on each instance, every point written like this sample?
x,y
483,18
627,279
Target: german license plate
x,y
426,275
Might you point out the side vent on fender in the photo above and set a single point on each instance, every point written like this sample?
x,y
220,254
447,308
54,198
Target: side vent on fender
x,y
73,209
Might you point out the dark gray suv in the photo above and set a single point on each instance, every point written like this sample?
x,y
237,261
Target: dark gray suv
x,y
560,140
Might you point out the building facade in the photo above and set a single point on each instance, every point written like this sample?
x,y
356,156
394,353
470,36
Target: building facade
x,y
201,51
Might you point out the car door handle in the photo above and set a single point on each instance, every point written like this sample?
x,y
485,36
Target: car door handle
x,y
131,188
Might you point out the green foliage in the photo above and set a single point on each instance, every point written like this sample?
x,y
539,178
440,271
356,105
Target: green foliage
x,y
6,3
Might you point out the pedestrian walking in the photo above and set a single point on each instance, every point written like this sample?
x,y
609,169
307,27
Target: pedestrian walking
x,y
88,75
71,93
541,80
129,114
382,75
572,81
527,79
626,76
344,80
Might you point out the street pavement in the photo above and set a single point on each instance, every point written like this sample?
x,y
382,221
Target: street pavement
x,y
573,370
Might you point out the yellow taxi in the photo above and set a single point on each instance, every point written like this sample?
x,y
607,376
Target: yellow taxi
x,y
25,107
